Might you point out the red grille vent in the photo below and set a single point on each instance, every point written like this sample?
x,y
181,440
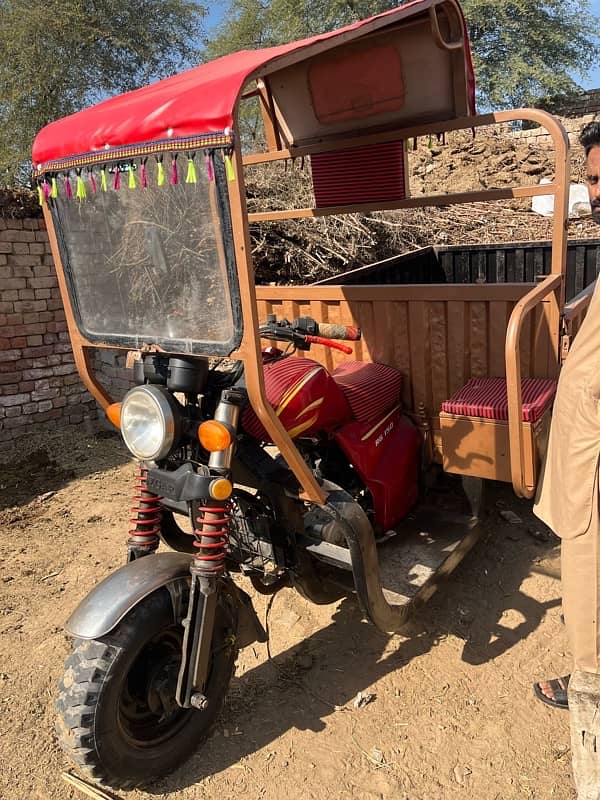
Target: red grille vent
x,y
368,174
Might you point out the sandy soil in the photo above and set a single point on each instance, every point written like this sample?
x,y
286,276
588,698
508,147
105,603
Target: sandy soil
x,y
452,713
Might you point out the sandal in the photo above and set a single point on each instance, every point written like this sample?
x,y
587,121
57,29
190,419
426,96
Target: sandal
x,y
559,690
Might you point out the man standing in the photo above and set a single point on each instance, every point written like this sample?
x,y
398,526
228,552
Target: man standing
x,y
568,502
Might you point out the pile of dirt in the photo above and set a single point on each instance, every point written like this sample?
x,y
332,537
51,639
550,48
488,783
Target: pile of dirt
x,y
304,250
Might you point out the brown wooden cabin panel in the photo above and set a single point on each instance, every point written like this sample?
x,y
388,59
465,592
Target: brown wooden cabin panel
x,y
438,336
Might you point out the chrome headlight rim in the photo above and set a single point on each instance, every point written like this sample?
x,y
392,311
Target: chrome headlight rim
x,y
168,415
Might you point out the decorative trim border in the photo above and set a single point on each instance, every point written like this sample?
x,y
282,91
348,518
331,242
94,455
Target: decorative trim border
x,y
127,152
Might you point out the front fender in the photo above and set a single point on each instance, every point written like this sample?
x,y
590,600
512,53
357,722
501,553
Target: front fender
x,y
109,601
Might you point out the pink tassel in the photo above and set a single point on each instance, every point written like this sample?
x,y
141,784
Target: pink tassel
x,y
68,190
93,182
46,189
209,168
117,179
174,176
143,176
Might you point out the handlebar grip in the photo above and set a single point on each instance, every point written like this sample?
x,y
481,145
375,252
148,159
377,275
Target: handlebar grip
x,y
328,343
346,332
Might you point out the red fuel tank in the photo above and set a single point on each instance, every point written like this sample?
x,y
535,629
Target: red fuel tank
x,y
305,398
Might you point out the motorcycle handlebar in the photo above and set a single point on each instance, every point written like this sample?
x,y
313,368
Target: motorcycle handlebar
x,y
328,343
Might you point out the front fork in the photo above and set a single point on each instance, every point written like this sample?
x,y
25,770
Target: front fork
x,y
210,519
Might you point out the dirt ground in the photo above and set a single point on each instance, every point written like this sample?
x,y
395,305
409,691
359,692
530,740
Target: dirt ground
x,y
452,713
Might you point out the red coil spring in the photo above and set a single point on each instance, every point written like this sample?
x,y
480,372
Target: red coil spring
x,y
145,515
212,537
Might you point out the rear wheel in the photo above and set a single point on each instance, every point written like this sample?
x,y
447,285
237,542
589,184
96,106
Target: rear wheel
x,y
117,715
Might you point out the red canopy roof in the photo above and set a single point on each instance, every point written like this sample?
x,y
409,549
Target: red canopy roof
x,y
196,102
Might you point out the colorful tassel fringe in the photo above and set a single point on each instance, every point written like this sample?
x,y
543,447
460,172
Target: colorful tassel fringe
x,y
209,167
191,176
143,175
68,190
80,191
40,195
54,190
131,183
103,181
93,182
46,189
160,173
229,168
117,179
174,176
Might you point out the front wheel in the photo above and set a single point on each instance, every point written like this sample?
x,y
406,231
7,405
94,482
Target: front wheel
x,y
117,715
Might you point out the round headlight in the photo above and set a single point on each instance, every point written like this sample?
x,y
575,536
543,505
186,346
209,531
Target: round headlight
x,y
149,422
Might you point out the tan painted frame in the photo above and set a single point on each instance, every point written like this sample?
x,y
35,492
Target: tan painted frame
x,y
249,350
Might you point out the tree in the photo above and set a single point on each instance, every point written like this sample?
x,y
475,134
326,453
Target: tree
x,y
58,56
523,49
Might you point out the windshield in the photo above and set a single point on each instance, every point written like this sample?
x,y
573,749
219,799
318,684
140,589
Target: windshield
x,y
149,261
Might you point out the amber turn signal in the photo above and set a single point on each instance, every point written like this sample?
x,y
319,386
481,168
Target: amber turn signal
x,y
214,436
113,412
220,489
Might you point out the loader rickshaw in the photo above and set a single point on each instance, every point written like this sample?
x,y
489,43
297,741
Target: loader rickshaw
x,y
291,426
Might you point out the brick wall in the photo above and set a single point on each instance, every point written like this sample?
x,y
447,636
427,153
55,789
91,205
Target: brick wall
x,y
38,379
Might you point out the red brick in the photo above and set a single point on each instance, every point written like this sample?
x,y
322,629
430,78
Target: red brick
x,y
46,316
31,305
23,261
56,327
4,343
10,377
14,319
41,236
65,369
26,386
37,352
44,394
11,296
14,400
34,341
59,314
10,355
10,388
3,321
54,304
6,307
14,283
17,236
23,272
19,341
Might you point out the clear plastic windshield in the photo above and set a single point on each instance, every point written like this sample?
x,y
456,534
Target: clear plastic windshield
x,y
151,263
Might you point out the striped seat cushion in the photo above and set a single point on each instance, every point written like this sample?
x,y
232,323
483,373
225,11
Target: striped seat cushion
x,y
487,398
370,389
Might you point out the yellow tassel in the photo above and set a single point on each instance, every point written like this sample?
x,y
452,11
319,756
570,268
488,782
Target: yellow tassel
x,y
160,174
103,181
54,190
131,183
191,176
80,192
229,169
40,195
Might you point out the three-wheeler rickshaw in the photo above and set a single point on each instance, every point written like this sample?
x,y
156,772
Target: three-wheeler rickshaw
x,y
292,426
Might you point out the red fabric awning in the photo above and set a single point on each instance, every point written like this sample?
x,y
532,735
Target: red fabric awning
x,y
196,102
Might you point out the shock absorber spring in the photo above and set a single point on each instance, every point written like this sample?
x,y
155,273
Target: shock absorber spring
x,y
145,519
212,537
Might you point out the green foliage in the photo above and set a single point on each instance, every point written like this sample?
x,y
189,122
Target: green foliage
x,y
58,56
524,50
